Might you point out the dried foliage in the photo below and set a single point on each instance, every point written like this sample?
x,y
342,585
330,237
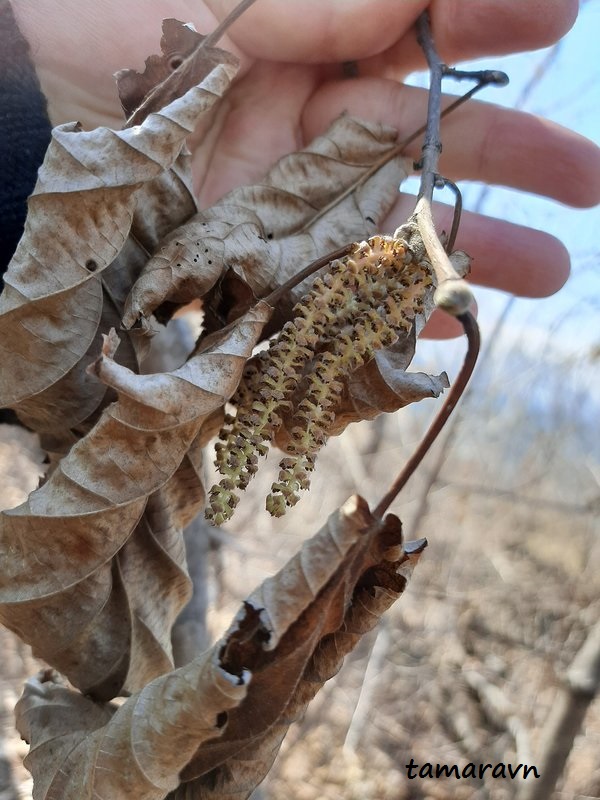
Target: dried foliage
x,y
123,492
257,237
220,720
93,563
79,254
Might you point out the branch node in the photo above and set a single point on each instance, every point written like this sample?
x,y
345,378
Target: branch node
x,y
454,296
498,78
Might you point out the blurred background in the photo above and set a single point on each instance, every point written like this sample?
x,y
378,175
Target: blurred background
x,y
472,663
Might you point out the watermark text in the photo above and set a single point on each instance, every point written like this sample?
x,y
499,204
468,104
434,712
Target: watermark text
x,y
470,770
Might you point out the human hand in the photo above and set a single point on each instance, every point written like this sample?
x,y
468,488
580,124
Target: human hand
x,y
291,86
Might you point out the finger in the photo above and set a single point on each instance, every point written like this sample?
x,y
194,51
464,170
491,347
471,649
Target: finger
x,y
463,29
338,30
319,31
505,256
481,141
444,326
78,46
513,258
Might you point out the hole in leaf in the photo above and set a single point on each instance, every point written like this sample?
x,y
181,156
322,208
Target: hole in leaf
x,y
91,265
222,719
175,62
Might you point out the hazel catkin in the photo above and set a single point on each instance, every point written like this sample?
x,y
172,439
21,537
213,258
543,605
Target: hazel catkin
x,y
360,305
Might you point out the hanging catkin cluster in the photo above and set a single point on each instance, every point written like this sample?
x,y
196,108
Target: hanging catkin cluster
x,y
360,305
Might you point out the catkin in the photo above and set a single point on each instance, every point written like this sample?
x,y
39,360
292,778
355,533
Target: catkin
x,y
361,305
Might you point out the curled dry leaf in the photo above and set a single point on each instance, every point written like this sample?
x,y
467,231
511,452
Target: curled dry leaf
x,y
93,564
184,63
256,237
82,750
79,220
381,386
93,572
217,723
377,589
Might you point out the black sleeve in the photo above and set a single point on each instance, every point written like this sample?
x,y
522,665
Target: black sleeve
x,y
24,137
24,132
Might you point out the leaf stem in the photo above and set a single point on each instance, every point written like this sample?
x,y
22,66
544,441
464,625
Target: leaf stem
x,y
276,295
398,150
473,341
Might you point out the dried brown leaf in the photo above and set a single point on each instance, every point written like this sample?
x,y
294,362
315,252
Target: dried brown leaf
x,y
378,590
95,617
218,721
81,750
328,569
256,237
184,63
80,215
384,385
381,387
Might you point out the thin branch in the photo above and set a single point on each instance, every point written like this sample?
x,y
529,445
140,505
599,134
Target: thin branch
x,y
276,295
213,38
486,77
190,633
452,398
432,145
501,710
453,294
364,704
458,205
504,494
565,720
